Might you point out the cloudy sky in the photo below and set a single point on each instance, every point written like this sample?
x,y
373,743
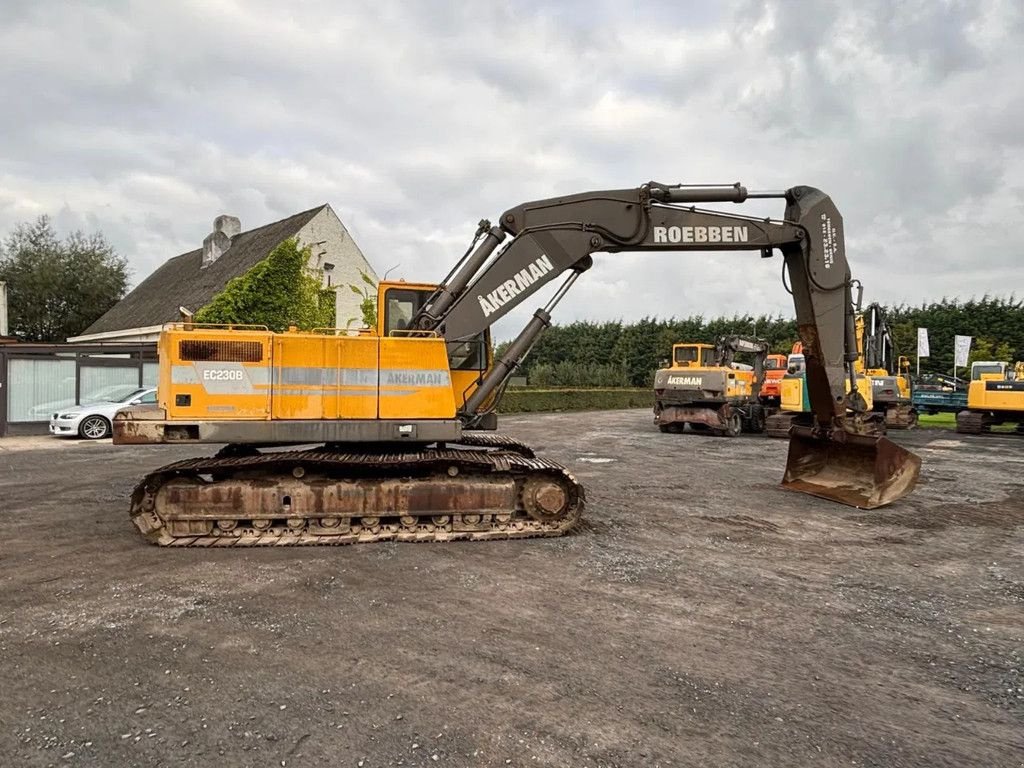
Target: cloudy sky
x,y
144,120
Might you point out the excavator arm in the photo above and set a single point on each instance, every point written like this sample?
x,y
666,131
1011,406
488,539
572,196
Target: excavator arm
x,y
558,236
878,345
555,236
727,347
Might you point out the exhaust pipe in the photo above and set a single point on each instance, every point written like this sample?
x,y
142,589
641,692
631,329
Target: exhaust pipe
x,y
861,471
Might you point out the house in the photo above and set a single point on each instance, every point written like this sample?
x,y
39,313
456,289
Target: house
x,y
191,280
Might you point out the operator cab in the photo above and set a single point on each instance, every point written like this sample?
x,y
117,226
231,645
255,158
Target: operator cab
x,y
980,371
693,355
402,302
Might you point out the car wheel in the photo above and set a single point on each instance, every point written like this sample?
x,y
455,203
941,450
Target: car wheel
x,y
94,428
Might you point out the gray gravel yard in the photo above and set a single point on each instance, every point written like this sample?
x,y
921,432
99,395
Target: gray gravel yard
x,y
700,615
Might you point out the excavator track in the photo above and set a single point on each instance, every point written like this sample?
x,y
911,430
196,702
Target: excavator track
x,y
901,416
496,441
326,497
972,423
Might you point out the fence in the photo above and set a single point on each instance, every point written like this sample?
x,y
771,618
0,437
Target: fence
x,y
36,380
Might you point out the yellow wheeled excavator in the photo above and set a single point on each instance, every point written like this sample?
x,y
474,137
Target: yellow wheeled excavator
x,y
401,413
705,390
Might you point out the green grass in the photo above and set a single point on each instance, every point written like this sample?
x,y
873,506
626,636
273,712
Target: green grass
x,y
948,421
938,421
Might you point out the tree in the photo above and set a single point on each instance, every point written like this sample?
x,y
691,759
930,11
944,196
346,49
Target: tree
x,y
58,288
278,292
987,350
367,302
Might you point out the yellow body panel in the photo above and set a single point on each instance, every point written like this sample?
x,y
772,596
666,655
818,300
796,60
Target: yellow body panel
x,y
794,393
220,374
981,399
324,377
415,382
464,384
791,395
740,384
227,374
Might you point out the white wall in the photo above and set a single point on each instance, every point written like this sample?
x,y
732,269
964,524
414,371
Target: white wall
x,y
331,243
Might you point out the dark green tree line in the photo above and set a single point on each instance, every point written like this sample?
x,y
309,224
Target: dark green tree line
x,y
630,352
996,325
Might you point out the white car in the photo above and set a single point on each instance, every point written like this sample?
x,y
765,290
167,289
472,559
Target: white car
x,y
93,420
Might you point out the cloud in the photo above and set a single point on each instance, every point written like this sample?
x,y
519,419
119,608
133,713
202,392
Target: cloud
x,y
146,120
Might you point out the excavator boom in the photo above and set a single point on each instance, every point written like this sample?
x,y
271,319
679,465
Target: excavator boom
x,y
558,235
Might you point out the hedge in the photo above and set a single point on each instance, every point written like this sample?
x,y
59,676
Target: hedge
x,y
543,400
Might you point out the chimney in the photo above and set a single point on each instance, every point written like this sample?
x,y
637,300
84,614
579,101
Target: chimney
x,y
217,242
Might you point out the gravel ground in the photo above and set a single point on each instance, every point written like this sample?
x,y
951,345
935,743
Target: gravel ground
x,y
699,616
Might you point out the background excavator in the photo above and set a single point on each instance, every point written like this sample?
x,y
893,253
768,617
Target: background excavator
x,y
995,395
889,374
702,388
398,411
883,381
771,387
795,400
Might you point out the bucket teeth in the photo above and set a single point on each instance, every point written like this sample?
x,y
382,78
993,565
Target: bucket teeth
x,y
858,470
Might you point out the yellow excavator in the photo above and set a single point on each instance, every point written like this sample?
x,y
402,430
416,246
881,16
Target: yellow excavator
x,y
706,390
404,414
883,383
889,375
995,395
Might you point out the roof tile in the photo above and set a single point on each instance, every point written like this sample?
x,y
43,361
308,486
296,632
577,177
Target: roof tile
x,y
183,282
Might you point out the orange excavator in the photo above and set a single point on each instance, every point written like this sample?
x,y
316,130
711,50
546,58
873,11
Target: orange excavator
x,y
774,369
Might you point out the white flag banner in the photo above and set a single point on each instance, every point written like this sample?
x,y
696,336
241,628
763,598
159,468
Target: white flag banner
x,y
961,348
922,342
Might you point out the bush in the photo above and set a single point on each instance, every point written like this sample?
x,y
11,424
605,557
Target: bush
x,y
566,374
278,292
547,400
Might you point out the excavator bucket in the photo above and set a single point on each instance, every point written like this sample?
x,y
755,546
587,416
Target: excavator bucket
x,y
860,470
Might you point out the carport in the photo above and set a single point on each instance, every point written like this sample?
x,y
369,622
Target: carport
x,y
36,379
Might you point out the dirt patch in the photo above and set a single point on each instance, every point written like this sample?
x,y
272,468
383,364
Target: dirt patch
x,y
699,615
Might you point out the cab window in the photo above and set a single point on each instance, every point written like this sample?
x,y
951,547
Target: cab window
x,y
686,355
469,355
401,306
979,370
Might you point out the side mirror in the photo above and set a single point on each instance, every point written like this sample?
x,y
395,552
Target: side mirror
x,y
135,402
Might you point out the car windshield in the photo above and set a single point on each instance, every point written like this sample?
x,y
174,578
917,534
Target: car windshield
x,y
114,393
131,395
